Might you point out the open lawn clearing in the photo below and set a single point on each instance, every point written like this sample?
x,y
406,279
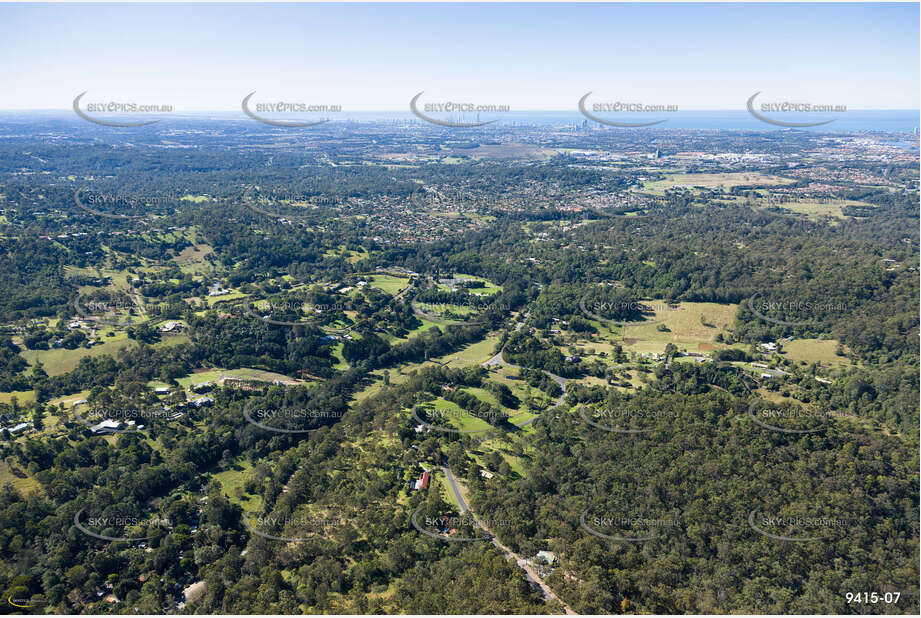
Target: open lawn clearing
x,y
509,377
388,283
21,397
168,342
351,256
216,376
232,481
815,351
449,414
510,150
446,492
473,354
20,479
60,360
68,400
691,326
499,446
483,395
488,288
815,208
523,417
378,385
426,325
193,254
368,391
341,364
594,347
725,180
246,373
232,295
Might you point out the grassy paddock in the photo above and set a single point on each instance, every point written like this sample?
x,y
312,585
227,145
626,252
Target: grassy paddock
x,y
815,351
686,327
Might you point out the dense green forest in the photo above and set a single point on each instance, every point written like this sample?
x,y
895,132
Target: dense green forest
x,y
696,370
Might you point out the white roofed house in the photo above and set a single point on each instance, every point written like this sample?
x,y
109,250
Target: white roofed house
x,y
19,427
545,556
106,425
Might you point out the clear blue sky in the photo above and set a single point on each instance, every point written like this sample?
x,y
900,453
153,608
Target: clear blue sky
x,y
531,57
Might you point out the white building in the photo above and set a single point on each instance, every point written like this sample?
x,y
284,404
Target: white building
x,y
106,425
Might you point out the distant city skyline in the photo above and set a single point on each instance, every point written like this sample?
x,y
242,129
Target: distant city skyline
x,y
542,57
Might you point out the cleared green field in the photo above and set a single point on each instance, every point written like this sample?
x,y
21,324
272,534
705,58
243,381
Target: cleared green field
x,y
192,259
233,295
232,481
23,484
447,492
499,447
388,283
474,354
426,325
341,364
597,347
691,326
21,397
449,414
168,342
483,395
60,360
815,351
351,256
488,288
215,375
816,209
522,417
711,181
509,377
68,400
446,312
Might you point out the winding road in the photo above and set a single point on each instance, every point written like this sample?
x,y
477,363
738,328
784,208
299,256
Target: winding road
x,y
530,573
499,361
